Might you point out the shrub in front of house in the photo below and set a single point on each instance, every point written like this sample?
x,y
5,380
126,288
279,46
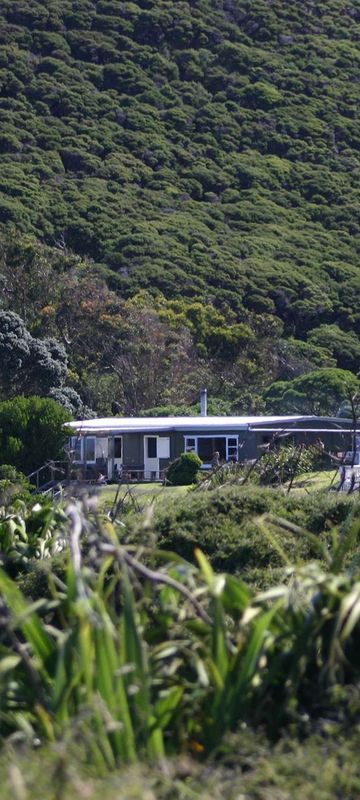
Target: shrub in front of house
x,y
184,470
226,524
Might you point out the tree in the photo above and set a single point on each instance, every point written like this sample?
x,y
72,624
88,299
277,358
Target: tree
x,y
31,432
343,345
15,343
30,276
319,392
69,399
154,363
28,365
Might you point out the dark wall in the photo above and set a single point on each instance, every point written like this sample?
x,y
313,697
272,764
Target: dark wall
x,y
133,449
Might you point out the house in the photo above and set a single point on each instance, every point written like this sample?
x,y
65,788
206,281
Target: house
x,y
142,447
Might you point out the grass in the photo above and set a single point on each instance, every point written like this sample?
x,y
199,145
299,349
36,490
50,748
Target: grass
x,y
148,493
325,767
145,494
157,493
314,481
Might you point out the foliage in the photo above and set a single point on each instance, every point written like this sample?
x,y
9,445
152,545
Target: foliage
x,y
70,400
184,470
344,346
275,466
141,661
319,392
13,485
282,464
324,764
205,153
31,432
30,531
225,524
29,365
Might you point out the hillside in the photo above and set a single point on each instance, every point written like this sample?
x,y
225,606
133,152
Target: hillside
x,y
207,151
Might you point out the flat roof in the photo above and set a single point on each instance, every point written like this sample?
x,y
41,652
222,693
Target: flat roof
x,y
119,425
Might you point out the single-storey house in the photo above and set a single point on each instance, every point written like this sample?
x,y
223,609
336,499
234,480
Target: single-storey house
x,y
142,447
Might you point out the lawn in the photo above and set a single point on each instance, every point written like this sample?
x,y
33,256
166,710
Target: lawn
x,y
140,494
313,481
144,494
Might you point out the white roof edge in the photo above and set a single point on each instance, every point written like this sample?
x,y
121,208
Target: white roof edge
x,y
138,424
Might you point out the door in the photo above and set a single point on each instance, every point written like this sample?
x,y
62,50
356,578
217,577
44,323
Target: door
x,y
151,458
118,454
155,449
115,451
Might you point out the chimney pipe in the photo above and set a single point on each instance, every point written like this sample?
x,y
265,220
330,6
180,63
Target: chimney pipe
x,y
203,402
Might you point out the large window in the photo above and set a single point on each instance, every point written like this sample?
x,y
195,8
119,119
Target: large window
x,y
83,449
206,446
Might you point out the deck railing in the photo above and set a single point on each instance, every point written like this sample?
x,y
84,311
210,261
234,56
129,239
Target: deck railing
x,y
50,472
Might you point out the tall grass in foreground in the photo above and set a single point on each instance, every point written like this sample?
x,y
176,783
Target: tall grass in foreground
x,y
139,654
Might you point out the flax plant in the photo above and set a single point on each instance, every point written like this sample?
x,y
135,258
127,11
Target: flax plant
x,y
140,654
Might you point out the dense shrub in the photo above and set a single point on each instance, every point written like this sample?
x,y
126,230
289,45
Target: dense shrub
x,y
282,464
13,485
224,523
227,104
199,150
31,432
184,470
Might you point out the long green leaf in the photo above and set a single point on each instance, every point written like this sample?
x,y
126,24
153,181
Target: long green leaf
x,y
31,625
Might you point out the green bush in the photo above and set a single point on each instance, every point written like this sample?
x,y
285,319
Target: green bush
x,y
13,485
184,470
282,464
31,432
198,149
224,523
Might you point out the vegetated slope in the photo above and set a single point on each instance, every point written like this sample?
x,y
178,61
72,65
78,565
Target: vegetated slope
x,y
203,148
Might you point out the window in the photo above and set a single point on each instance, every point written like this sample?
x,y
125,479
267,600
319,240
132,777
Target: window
x,y
232,448
151,446
206,449
75,448
89,449
83,449
117,447
219,446
206,446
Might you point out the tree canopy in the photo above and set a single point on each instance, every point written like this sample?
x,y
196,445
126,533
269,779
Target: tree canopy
x,y
204,153
31,432
319,392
